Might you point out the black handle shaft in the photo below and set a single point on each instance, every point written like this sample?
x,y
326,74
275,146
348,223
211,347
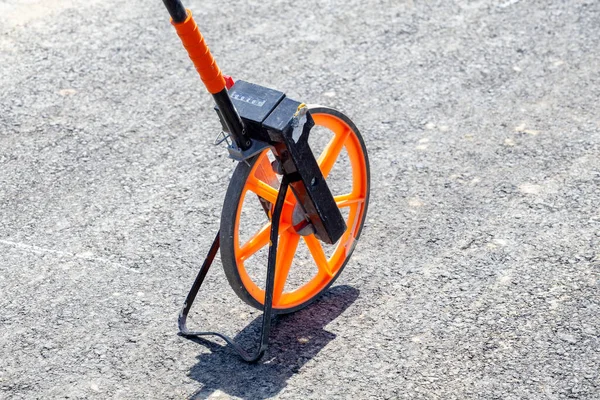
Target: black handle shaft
x,y
176,10
232,119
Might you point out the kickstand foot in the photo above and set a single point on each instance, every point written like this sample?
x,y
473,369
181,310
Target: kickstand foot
x,y
268,304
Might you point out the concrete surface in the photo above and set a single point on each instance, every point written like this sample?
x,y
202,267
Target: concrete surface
x,y
477,274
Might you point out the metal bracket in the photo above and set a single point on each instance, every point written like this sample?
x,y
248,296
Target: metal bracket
x,y
256,147
268,304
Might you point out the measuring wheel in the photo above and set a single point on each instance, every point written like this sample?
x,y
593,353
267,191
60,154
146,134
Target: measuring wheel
x,y
292,232
305,266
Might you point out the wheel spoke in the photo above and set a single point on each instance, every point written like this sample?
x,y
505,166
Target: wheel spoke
x,y
264,172
332,151
346,200
262,189
347,240
315,248
266,191
259,240
286,249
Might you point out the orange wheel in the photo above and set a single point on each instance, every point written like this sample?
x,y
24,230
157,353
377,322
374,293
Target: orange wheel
x,y
305,266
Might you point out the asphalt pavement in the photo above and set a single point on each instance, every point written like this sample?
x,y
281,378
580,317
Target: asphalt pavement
x,y
477,274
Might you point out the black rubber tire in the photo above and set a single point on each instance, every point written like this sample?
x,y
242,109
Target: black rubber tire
x,y
229,213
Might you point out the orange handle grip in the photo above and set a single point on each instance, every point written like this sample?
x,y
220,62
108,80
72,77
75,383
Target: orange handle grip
x,y
199,53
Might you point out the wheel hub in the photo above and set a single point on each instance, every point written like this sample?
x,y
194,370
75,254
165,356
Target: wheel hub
x,y
300,222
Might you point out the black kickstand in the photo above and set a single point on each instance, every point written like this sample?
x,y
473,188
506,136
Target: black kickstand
x,y
268,305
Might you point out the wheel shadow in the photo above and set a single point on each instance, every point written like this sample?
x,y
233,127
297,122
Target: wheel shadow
x,y
295,339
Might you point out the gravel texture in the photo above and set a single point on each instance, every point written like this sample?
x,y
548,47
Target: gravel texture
x,y
477,274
